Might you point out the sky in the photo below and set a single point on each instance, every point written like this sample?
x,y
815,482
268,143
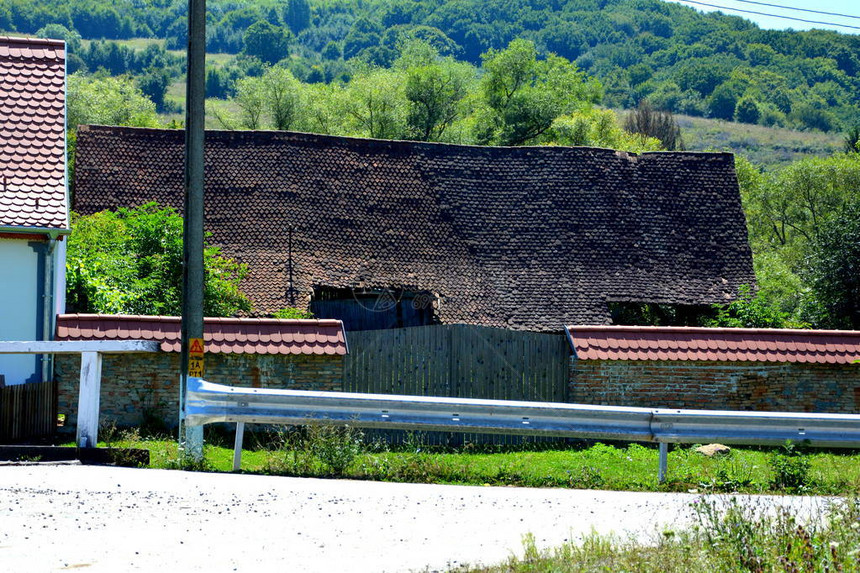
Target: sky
x,y
846,7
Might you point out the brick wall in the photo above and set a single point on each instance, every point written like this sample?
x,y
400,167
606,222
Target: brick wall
x,y
135,385
787,387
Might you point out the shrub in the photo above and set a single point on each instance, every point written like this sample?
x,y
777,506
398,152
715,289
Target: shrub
x,y
790,469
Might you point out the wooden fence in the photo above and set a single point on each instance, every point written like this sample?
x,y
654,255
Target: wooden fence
x,y
27,411
460,361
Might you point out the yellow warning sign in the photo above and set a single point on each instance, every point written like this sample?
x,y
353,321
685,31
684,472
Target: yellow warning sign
x,y
195,367
195,349
195,358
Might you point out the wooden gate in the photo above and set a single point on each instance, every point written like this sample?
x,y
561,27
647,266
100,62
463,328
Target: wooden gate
x,y
459,361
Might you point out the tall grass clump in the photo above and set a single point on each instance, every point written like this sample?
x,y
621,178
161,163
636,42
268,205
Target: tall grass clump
x,y
316,450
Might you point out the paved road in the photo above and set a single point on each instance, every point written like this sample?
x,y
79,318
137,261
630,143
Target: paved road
x,y
56,518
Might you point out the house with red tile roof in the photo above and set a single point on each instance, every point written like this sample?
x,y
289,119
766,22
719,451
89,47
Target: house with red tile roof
x,y
34,207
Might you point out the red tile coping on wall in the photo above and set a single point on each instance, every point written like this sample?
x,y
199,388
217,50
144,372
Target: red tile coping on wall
x,y
221,335
32,134
715,344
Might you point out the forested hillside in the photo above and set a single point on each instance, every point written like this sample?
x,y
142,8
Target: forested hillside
x,y
514,72
681,60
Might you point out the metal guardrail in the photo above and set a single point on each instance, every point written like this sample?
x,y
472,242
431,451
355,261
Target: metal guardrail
x,y
208,403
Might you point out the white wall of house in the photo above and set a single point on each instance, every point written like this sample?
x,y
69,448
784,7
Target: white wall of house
x,y
59,279
19,307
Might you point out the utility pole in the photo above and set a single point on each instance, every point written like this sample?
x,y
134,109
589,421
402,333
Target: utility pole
x,y
191,438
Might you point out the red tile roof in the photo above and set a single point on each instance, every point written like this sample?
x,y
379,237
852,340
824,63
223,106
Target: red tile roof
x,y
714,344
32,134
221,335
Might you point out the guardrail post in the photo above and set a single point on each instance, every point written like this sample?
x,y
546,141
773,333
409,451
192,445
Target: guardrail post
x,y
664,462
88,400
190,435
237,446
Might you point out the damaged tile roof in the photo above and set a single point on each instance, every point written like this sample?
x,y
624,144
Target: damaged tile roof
x,y
32,134
220,335
715,344
528,238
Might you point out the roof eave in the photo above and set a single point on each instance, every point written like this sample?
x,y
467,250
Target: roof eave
x,y
50,231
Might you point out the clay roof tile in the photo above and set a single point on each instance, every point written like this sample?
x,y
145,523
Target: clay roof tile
x,y
446,219
246,335
720,344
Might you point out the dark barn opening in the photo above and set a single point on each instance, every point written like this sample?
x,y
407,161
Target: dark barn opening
x,y
373,308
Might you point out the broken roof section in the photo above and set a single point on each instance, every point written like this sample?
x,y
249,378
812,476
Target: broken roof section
x,y
715,344
32,135
529,238
221,335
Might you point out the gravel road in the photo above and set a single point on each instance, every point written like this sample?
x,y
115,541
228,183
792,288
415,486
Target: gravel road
x,y
54,518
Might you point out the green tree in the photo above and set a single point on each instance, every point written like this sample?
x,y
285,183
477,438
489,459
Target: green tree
x,y
595,127
851,142
251,101
752,310
364,34
434,89
267,42
373,104
271,99
130,262
108,101
787,209
834,269
524,95
332,51
297,15
60,32
747,110
280,89
154,84
724,100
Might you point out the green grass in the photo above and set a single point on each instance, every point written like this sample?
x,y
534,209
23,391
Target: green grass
x,y
133,43
326,452
765,146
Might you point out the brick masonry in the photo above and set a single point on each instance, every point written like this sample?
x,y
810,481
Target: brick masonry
x,y
135,386
780,386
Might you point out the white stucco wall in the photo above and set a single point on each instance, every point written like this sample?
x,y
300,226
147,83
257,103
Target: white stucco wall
x,y
19,310
59,278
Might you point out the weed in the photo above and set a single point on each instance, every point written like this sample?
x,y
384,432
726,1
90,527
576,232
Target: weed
x,y
316,449
109,432
732,475
587,477
728,536
335,446
187,462
790,469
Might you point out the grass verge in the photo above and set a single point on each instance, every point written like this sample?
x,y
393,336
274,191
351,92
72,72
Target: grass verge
x,y
324,451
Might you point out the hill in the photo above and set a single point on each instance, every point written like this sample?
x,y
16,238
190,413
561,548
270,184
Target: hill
x,y
767,147
704,65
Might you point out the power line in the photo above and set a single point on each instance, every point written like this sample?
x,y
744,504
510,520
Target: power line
x,y
781,7
770,15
